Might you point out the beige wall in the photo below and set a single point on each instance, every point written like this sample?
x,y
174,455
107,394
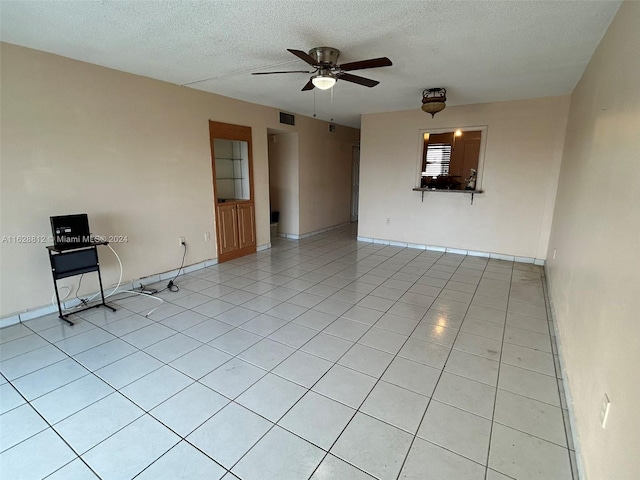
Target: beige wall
x,y
325,177
522,158
130,151
595,278
283,181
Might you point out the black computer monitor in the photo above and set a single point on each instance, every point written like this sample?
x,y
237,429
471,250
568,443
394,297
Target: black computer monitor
x,y
68,230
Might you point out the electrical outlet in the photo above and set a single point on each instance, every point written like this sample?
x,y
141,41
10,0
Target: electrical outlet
x,y
181,241
207,236
604,410
554,253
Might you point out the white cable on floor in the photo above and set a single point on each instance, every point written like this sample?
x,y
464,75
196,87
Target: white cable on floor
x,y
53,297
147,295
101,238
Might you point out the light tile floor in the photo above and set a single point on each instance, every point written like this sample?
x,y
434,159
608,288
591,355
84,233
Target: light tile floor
x,y
324,358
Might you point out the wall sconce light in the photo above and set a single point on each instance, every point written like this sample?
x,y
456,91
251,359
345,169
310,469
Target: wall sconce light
x,y
433,100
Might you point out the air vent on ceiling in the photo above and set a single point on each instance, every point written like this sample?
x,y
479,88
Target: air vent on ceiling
x,y
332,128
287,118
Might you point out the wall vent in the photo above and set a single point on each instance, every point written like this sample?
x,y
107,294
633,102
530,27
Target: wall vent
x,y
332,128
287,118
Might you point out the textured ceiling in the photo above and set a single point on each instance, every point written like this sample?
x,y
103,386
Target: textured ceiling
x,y
481,51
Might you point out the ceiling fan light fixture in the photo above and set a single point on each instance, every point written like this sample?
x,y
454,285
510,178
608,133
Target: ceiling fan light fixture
x,y
324,62
433,100
323,81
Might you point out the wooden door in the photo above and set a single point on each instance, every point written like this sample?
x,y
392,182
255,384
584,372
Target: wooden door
x,y
227,228
246,225
234,207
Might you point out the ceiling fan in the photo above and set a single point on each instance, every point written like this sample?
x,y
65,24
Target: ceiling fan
x,y
327,71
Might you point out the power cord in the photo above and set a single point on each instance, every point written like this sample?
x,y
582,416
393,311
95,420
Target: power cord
x,y
83,301
53,297
87,300
171,286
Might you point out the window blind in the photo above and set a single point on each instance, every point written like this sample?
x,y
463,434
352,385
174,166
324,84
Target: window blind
x,y
437,159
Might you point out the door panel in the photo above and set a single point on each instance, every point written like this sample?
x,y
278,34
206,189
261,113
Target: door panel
x,y
246,225
227,228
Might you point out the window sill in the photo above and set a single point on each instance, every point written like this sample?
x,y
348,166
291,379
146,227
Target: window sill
x,y
441,190
426,189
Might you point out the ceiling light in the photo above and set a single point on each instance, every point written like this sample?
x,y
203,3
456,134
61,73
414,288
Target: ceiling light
x,y
323,81
433,100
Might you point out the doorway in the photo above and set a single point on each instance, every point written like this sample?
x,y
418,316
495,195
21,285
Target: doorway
x,y
355,183
284,181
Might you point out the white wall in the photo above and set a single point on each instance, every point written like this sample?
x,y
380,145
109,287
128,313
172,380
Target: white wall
x,y
522,159
595,278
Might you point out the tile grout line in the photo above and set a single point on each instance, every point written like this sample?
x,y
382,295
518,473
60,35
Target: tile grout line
x,y
357,410
441,372
164,364
327,452
296,256
146,412
49,425
242,406
495,399
89,372
116,390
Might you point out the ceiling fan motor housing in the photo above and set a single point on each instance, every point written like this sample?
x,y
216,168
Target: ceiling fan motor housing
x,y
325,55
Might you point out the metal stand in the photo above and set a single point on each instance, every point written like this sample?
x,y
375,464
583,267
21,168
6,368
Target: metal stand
x,y
69,261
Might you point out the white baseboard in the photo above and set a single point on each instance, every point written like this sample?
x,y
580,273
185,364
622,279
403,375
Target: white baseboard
x,y
125,286
9,320
565,377
260,248
294,236
43,310
437,248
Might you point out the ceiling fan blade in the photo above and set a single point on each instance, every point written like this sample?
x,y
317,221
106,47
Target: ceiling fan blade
x,y
362,64
367,82
308,86
288,71
303,56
